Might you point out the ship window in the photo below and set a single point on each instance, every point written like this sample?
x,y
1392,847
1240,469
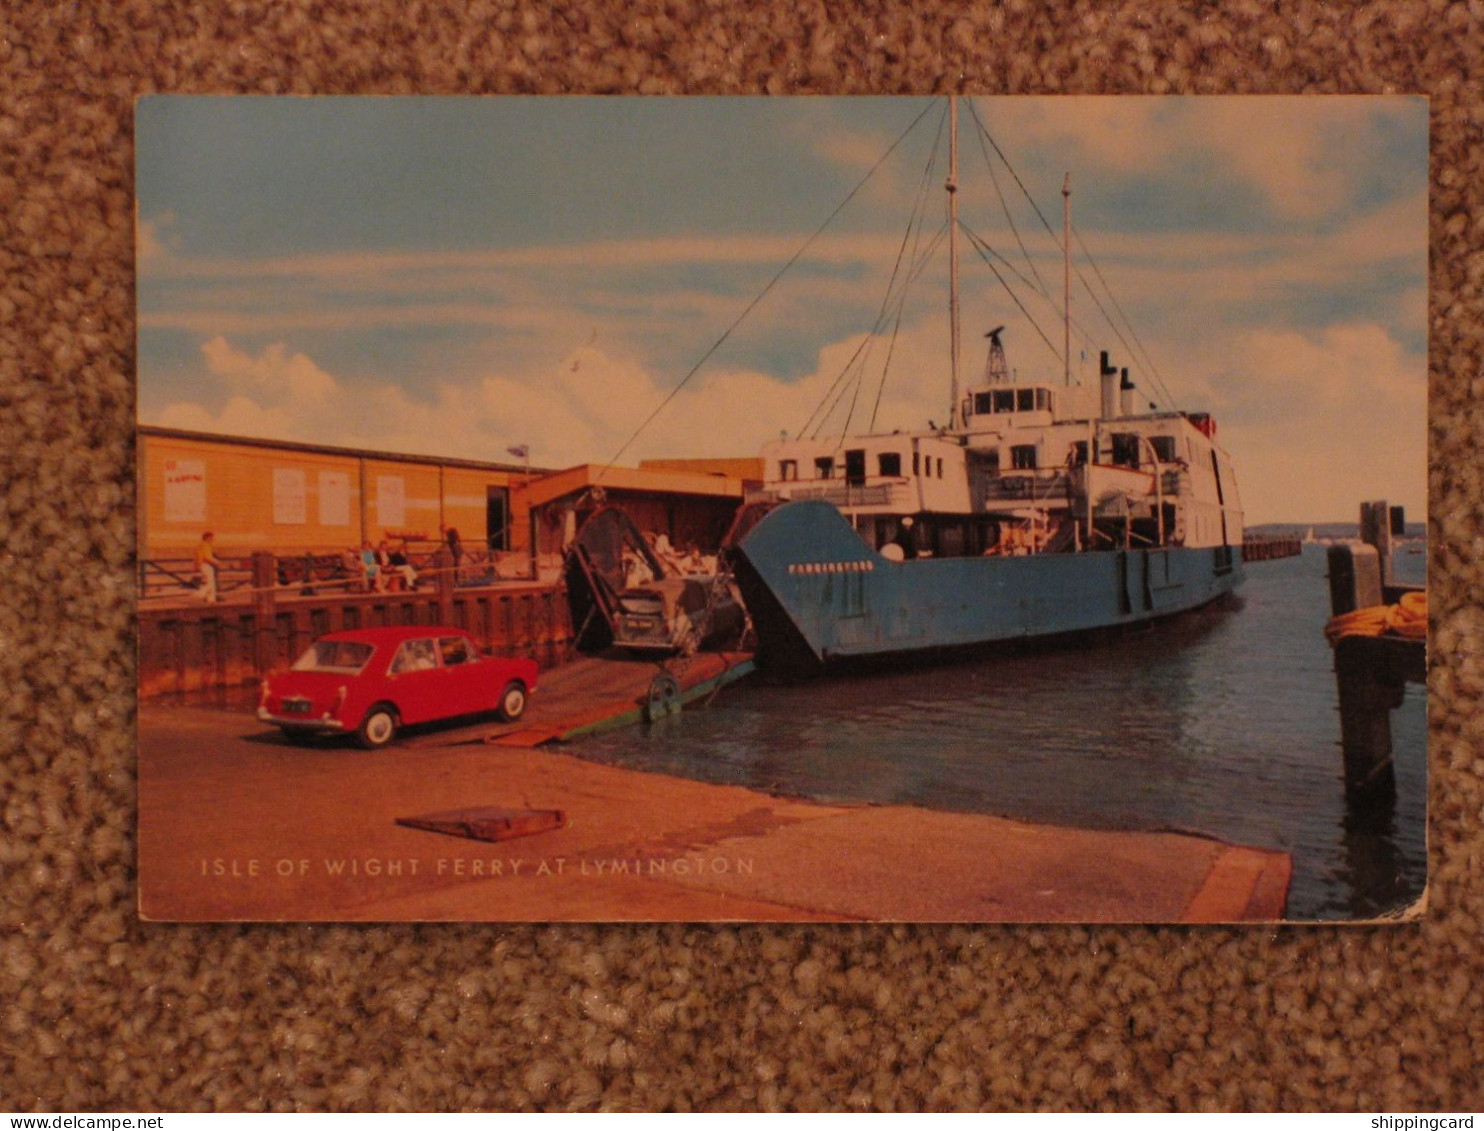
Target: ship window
x,y
889,464
1004,400
916,463
788,469
1043,400
983,404
1079,453
940,468
1164,448
1125,449
855,466
824,467
1023,457
1025,400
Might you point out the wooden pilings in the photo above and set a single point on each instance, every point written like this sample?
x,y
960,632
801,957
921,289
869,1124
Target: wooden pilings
x,y
1371,672
1268,549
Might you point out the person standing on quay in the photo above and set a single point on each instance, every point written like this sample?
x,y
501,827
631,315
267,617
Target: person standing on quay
x,y
207,565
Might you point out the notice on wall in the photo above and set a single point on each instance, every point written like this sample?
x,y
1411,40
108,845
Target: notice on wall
x,y
391,501
334,498
185,490
288,496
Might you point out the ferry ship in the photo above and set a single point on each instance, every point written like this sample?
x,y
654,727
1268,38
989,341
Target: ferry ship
x,y
1040,509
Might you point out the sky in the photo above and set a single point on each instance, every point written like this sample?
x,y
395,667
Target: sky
x,y
460,276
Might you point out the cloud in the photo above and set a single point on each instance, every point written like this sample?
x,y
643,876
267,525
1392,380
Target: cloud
x,y
275,377
1316,421
1302,155
1319,421
153,241
583,409
577,411
349,267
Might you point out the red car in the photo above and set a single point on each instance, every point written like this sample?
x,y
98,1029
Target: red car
x,y
372,681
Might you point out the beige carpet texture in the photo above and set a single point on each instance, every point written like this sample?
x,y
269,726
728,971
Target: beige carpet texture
x,y
99,1011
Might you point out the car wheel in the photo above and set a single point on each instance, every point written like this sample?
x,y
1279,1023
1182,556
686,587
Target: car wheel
x,y
687,639
513,701
378,727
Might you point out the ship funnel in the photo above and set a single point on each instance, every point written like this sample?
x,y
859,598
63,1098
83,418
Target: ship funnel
x,y
1109,374
1126,392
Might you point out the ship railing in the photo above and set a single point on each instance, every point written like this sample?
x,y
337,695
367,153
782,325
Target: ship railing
x,y
1034,485
874,492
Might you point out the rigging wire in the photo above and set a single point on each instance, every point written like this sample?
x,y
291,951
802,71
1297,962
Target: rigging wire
x,y
912,235
1117,333
1136,354
763,294
982,134
896,325
1024,191
1008,290
985,248
918,266
830,396
896,267
1148,361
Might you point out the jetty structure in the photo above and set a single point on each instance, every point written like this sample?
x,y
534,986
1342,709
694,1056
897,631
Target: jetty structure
x,y
1041,508
1379,634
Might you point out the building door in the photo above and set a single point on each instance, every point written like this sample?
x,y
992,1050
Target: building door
x,y
497,517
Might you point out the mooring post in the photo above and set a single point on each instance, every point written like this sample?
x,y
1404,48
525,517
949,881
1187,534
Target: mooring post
x,y
1371,671
264,621
1375,530
1368,695
1354,578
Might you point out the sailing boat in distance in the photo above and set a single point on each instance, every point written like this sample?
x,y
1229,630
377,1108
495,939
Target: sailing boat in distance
x,y
1041,509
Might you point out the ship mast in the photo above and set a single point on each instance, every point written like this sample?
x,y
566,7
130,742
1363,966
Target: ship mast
x,y
955,417
1066,287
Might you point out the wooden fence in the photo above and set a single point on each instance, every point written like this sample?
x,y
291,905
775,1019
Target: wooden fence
x,y
176,578
188,647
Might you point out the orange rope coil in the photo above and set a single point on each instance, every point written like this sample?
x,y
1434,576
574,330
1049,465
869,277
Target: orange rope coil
x,y
1407,618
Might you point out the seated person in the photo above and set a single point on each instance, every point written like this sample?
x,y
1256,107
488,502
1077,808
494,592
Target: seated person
x,y
370,570
394,570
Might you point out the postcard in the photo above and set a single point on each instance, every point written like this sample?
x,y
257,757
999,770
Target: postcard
x,y
954,509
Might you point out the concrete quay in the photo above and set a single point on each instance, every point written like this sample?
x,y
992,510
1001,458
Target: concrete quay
x,y
236,824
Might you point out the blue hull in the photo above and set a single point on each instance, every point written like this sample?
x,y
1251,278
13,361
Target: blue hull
x,y
818,594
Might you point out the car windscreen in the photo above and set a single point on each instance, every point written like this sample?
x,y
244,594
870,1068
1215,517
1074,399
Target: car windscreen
x,y
347,656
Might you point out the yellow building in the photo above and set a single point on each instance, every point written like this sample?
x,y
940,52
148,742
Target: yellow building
x,y
747,469
299,498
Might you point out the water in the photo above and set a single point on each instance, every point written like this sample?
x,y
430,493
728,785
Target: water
x,y
1223,722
